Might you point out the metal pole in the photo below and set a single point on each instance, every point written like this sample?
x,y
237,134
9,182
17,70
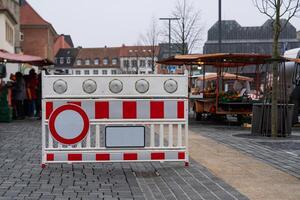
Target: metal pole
x,y
169,37
220,27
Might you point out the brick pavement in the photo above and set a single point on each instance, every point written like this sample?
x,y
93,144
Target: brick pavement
x,y
21,176
281,153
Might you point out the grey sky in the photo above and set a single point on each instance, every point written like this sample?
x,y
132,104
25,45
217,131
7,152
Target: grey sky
x,y
95,23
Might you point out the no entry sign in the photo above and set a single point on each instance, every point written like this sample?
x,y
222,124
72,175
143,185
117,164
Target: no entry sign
x,y
69,124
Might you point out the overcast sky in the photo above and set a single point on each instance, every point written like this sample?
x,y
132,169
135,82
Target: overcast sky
x,y
95,23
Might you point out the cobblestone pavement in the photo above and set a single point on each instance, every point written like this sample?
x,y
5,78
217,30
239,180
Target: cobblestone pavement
x,y
282,153
21,176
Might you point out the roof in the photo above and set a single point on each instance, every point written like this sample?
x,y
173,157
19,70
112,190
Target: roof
x,y
225,76
19,58
98,53
28,16
139,51
69,40
221,59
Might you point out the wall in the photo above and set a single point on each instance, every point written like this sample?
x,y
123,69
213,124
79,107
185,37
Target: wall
x,y
3,43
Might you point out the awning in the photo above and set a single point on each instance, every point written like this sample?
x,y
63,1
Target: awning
x,y
21,58
222,59
225,76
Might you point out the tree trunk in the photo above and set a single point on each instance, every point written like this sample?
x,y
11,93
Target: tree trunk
x,y
275,56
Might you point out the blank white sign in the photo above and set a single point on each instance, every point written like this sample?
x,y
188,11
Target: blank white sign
x,y
125,136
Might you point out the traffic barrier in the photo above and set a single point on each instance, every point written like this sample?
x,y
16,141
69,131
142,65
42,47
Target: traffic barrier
x,y
122,118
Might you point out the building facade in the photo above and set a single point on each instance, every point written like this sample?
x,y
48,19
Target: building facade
x,y
138,59
257,39
10,30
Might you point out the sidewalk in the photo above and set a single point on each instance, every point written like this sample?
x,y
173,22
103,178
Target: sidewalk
x,y
251,177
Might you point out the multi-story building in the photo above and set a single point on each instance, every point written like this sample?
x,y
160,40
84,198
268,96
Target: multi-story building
x,y
65,59
38,34
10,30
138,59
90,61
258,39
62,42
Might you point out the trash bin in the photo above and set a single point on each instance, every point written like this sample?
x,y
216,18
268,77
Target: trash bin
x,y
261,119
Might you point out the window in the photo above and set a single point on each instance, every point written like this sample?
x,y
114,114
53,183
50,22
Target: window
x,y
113,71
114,61
86,72
87,62
104,72
77,72
105,61
9,34
142,63
78,62
126,63
150,63
21,36
134,63
96,61
95,71
61,60
55,60
68,60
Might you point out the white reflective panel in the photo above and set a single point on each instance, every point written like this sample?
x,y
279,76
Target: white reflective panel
x,y
124,136
69,124
116,86
60,86
170,86
142,86
89,86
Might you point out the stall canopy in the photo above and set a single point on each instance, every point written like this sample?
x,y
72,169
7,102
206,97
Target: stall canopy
x,y
21,58
225,76
222,59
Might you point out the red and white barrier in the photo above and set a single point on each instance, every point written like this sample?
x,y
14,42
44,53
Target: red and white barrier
x,y
121,128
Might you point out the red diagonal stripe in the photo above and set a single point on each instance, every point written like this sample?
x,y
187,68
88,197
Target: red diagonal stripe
x,y
102,110
75,157
130,156
129,110
157,156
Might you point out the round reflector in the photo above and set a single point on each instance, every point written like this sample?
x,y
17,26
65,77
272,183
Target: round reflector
x,y
142,86
115,86
60,86
89,86
170,86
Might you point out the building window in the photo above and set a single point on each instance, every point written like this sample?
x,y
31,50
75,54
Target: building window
x,y
95,71
96,61
134,63
68,60
77,72
150,63
126,63
113,71
142,63
61,60
78,62
104,72
9,34
105,61
21,36
86,72
87,62
55,60
114,61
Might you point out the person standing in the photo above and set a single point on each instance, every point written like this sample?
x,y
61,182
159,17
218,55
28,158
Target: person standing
x,y
19,91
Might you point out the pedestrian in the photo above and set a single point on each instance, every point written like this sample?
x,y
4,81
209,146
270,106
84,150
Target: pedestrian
x,y
19,95
38,104
32,84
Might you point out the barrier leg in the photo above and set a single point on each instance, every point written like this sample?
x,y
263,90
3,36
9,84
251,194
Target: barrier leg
x,y
43,166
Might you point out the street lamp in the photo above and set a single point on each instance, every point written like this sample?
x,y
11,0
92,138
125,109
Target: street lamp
x,y
169,19
220,26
